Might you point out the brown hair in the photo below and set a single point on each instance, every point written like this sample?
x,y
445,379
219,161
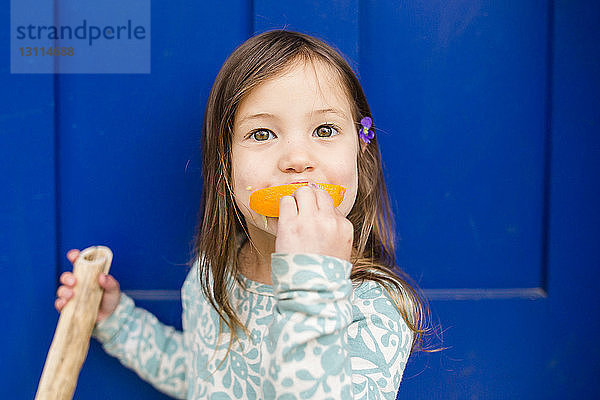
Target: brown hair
x,y
260,58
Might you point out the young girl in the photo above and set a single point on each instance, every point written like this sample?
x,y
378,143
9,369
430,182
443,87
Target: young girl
x,y
306,305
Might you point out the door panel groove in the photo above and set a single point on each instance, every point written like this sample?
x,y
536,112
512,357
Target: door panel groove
x,y
153,294
547,173
533,293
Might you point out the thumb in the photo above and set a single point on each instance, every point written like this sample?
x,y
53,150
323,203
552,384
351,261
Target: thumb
x,y
108,283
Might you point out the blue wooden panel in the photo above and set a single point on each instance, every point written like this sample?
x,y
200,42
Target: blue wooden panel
x,y
458,91
574,276
27,224
27,218
336,22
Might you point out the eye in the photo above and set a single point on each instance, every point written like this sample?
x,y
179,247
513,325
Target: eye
x,y
327,130
260,135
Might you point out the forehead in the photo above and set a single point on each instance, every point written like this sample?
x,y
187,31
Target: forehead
x,y
304,84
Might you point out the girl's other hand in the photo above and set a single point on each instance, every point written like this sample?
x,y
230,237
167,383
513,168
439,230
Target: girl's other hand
x,y
110,298
309,223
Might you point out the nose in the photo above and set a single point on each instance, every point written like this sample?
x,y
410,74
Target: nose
x,y
297,157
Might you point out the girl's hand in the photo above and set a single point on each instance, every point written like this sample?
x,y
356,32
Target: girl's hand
x,y
309,223
110,298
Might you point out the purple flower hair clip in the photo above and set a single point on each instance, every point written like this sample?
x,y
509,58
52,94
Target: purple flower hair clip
x,y
365,132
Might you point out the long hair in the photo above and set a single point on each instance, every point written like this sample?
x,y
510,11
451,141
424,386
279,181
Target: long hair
x,y
215,251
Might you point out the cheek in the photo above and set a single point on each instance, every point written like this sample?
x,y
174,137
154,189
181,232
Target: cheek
x,y
244,184
238,185
240,173
242,196
350,197
350,180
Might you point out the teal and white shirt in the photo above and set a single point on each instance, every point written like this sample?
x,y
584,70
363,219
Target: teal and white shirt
x,y
313,335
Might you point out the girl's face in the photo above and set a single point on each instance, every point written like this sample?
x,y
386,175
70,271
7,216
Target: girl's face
x,y
295,127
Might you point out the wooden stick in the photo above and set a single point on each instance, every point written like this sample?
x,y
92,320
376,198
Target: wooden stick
x,y
72,336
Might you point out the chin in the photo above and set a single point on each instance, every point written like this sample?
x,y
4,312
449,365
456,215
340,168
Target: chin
x,y
258,222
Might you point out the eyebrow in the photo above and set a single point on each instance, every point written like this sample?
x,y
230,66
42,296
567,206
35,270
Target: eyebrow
x,y
267,115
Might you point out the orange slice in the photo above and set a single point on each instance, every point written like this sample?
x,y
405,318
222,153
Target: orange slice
x,y
266,201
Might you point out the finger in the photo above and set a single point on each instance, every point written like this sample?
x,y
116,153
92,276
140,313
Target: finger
x,y
64,292
72,255
67,278
107,282
306,200
324,201
287,208
59,304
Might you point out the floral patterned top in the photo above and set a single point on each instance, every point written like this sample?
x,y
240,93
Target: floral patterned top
x,y
312,335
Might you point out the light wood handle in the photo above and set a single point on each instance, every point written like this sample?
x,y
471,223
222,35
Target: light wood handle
x,y
72,336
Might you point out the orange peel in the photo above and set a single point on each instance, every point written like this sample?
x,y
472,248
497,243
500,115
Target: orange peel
x,y
266,201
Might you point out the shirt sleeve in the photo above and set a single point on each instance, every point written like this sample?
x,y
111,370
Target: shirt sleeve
x,y
379,341
316,348
156,352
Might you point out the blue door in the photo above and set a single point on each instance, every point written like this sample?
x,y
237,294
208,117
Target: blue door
x,y
488,120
